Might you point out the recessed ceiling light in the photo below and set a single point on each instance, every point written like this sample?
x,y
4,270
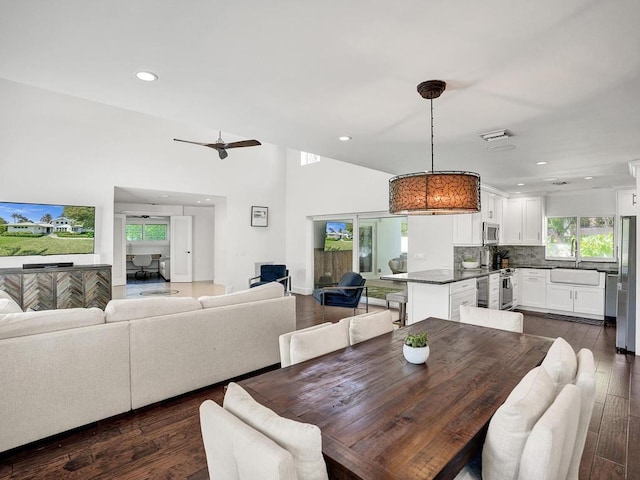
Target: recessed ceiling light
x,y
165,196
198,201
146,76
344,138
501,148
552,179
541,163
208,199
588,178
520,184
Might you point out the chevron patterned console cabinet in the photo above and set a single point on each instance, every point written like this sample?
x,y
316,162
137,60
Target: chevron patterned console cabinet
x,y
58,287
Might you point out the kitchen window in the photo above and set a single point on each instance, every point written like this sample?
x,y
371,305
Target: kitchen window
x,y
581,238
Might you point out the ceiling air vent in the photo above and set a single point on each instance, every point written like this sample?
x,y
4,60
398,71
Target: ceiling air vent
x,y
562,182
496,135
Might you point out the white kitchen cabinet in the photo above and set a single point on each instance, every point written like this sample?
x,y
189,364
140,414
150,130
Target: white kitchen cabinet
x,y
580,299
467,229
440,300
488,203
493,301
523,221
627,202
533,287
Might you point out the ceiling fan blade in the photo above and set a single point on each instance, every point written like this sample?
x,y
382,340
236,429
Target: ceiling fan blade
x,y
243,143
210,145
222,153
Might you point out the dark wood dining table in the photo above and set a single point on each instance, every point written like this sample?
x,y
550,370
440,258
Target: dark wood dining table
x,y
384,418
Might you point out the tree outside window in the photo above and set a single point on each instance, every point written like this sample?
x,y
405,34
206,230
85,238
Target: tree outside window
x,y
580,238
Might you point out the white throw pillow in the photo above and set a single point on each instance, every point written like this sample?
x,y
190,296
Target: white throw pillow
x,y
130,309
561,363
302,440
33,323
366,326
311,344
511,425
261,292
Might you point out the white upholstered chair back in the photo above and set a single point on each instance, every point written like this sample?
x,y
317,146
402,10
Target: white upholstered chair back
x,y
549,448
585,380
285,342
236,451
316,342
370,325
485,317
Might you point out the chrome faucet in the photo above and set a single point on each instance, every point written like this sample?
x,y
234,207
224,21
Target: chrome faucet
x,y
574,251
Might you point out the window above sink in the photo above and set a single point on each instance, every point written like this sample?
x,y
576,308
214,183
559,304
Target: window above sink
x,y
581,238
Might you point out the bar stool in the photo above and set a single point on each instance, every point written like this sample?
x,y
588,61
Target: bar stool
x,y
401,299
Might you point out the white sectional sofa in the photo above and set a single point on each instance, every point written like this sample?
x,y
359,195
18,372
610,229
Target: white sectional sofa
x,y
61,369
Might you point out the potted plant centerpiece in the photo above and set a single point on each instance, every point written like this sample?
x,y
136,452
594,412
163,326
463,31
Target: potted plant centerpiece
x,y
416,347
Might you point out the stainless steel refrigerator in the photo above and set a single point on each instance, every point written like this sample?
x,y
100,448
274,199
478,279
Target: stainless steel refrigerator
x,y
626,315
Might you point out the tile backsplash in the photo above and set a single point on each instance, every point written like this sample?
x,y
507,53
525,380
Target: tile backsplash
x,y
522,256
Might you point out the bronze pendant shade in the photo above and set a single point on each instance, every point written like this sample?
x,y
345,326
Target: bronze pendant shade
x,y
434,192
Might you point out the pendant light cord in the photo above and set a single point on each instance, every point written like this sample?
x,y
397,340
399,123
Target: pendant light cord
x,y
431,101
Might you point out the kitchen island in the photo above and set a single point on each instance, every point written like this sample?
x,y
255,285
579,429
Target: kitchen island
x,y
439,293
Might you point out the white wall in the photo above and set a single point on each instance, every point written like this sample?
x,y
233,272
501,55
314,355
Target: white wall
x,y
594,202
60,149
324,188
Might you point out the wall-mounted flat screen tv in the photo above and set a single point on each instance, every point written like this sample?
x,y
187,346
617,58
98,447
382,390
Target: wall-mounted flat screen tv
x,y
338,236
40,229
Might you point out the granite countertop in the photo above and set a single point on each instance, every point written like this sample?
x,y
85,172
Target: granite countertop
x,y
440,276
444,276
605,268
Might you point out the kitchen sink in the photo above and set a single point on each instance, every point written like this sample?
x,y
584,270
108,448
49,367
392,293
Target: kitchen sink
x,y
574,276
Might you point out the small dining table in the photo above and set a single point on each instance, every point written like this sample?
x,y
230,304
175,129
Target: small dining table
x,y
384,418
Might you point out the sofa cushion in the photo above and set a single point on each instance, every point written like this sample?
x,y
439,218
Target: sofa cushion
x,y
511,425
369,325
132,309
313,343
8,304
262,292
32,323
561,363
302,440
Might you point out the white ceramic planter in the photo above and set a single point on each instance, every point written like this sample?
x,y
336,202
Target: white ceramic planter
x,y
415,355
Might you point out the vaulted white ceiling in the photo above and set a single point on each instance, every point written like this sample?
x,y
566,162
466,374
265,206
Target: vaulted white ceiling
x,y
563,76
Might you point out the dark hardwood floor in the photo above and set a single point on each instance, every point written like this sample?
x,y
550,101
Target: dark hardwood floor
x,y
163,441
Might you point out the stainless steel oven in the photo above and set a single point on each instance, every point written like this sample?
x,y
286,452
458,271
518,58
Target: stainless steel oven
x,y
506,289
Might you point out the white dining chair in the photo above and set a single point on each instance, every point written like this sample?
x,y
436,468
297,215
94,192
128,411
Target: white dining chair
x,y
313,343
236,451
585,380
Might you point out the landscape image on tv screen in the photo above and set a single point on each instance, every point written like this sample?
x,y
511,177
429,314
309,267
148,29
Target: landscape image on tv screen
x,y
338,236
38,229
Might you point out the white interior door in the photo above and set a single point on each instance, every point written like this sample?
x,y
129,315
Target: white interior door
x,y
181,246
119,269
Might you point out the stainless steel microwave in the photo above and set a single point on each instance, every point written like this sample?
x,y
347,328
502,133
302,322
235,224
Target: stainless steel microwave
x,y
490,233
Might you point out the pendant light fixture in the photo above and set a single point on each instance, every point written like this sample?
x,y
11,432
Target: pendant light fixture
x,y
434,193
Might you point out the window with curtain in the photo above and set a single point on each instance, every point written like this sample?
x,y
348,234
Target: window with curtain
x,y
581,238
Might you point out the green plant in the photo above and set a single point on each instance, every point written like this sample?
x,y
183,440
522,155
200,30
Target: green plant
x,y
417,340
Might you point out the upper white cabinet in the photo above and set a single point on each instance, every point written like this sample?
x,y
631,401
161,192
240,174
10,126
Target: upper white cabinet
x,y
524,221
627,202
467,229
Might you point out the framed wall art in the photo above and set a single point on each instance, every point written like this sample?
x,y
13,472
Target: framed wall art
x,y
259,216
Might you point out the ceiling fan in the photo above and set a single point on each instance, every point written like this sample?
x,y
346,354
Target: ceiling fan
x,y
222,147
